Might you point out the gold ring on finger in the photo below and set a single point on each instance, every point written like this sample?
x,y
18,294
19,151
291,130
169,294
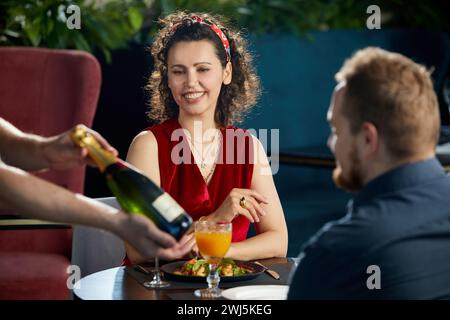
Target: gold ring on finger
x,y
243,203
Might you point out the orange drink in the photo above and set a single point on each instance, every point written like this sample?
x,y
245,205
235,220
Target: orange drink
x,y
213,240
213,245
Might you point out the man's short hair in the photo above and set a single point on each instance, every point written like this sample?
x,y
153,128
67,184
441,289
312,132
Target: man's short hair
x,y
396,95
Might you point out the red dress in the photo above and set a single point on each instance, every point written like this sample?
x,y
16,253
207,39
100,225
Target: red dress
x,y
185,183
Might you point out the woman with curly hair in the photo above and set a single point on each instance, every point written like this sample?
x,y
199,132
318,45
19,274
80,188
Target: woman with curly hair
x,y
204,82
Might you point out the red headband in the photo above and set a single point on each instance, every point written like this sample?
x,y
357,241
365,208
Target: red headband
x,y
220,34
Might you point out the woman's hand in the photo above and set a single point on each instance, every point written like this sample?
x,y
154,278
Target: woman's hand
x,y
244,202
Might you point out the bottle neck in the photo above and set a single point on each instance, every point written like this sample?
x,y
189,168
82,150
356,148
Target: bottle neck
x,y
101,157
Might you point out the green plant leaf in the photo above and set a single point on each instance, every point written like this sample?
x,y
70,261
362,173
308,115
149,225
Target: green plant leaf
x,y
135,17
80,42
33,31
50,26
107,54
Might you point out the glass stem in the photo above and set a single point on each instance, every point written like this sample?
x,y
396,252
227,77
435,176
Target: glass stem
x,y
157,277
213,278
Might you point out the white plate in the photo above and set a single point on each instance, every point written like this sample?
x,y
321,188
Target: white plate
x,y
262,292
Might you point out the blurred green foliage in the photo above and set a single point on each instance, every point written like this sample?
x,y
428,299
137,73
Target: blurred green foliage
x,y
42,23
111,24
301,16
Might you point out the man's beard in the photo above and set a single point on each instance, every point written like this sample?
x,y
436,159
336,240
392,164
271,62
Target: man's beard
x,y
353,182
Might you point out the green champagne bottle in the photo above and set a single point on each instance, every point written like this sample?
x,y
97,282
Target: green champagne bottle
x,y
135,192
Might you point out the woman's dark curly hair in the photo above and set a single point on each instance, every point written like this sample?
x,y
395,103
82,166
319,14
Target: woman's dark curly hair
x,y
235,99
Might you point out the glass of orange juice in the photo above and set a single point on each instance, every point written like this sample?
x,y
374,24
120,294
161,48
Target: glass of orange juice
x,y
213,241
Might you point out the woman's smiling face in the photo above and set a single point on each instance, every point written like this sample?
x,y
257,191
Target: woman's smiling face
x,y
195,76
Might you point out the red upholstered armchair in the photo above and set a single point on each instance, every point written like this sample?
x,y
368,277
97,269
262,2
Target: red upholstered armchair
x,y
46,92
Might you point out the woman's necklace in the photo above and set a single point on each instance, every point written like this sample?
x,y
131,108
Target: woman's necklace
x,y
205,159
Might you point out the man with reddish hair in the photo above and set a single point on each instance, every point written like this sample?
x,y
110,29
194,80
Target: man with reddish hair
x,y
394,241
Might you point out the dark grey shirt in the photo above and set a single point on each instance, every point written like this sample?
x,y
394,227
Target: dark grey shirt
x,y
400,223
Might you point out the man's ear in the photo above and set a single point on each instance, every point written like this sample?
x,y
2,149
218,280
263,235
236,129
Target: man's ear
x,y
370,139
227,74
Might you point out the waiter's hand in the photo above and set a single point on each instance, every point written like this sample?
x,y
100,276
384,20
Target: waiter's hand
x,y
62,154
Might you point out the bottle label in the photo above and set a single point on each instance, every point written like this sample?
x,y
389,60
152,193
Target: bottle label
x,y
168,207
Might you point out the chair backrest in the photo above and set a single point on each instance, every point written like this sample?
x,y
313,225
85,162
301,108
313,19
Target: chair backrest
x,y
47,92
95,249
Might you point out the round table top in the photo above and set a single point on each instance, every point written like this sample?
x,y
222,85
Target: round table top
x,y
113,284
117,284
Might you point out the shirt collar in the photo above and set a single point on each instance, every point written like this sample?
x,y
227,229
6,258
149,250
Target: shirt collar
x,y
406,175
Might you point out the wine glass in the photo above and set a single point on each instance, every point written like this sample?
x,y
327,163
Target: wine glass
x,y
156,281
213,241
